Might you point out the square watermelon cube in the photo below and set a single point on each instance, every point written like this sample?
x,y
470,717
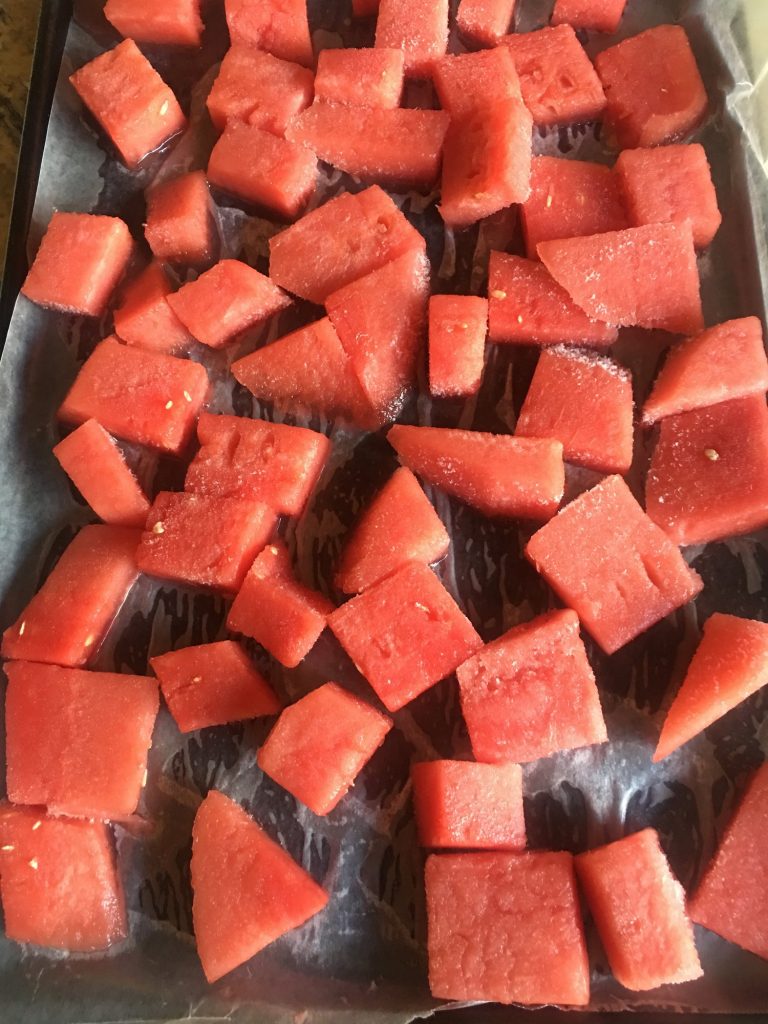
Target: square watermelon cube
x,y
458,325
180,225
485,22
145,319
255,87
468,83
278,26
172,23
417,27
343,76
595,15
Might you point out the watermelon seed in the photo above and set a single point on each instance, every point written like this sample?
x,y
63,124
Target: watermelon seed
x,y
498,294
144,778
164,109
36,826
158,528
273,550
422,607
197,679
519,319
549,201
188,396
8,848
33,864
88,642
464,327
169,404
22,627
712,454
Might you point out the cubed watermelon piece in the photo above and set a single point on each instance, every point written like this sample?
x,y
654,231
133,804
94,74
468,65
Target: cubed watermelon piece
x,y
180,226
145,319
463,805
203,540
247,891
346,238
506,927
597,15
646,276
404,634
99,566
95,465
278,26
639,909
320,745
531,693
610,562
485,22
58,882
653,87
278,611
348,75
80,260
399,526
670,183
255,87
274,463
584,401
147,397
518,477
558,82
467,83
77,741
213,684
130,101
172,23
708,477
526,306
569,198
417,27
381,320
458,325
724,362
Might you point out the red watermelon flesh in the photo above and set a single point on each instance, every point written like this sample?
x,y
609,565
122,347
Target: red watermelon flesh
x,y
247,891
610,562
485,22
639,909
77,741
58,882
507,928
417,27
404,634
466,84
180,226
213,684
320,745
256,87
374,74
595,15
458,325
145,319
172,23
100,567
278,26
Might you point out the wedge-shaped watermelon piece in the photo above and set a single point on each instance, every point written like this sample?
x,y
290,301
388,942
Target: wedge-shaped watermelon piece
x,y
585,402
320,745
77,741
172,23
507,928
399,526
708,477
99,566
465,83
531,693
724,362
180,226
348,75
645,276
58,882
255,87
404,634
278,611
639,909
596,15
519,477
213,684
80,260
462,805
653,87
485,22
247,891
145,319
346,238
130,101
278,26
147,397
603,556
458,325
417,27
526,306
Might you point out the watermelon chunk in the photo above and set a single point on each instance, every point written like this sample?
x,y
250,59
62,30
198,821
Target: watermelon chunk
x,y
213,684
346,238
465,84
273,463
145,319
100,567
130,101
585,402
531,693
256,87
457,330
399,526
506,927
645,276
140,396
522,478
180,226
404,634
77,741
609,561
417,27
95,465
320,745
724,362
485,22
375,74
247,891
597,15
278,26
172,23
203,540
653,87
225,301
708,477
639,908
526,306
462,805
280,613
80,260
58,882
